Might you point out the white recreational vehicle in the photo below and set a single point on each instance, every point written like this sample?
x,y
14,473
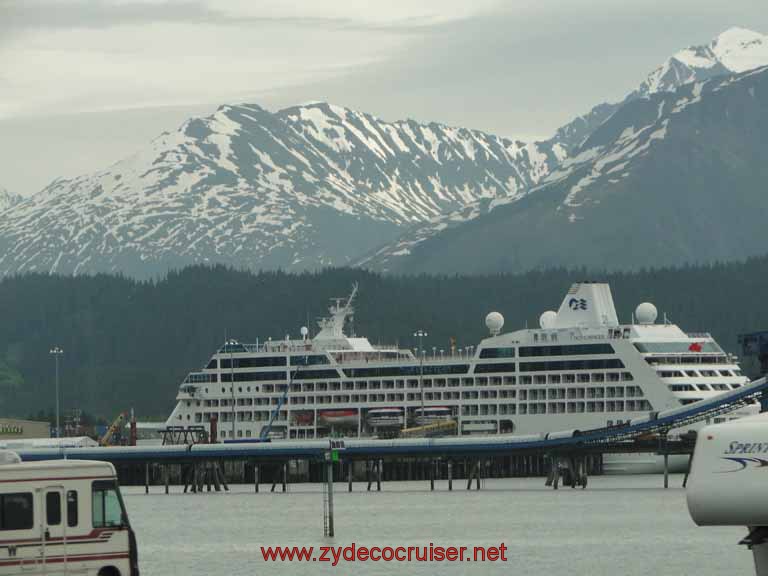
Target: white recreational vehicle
x,y
63,517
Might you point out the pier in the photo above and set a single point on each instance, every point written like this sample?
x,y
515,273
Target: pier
x,y
564,458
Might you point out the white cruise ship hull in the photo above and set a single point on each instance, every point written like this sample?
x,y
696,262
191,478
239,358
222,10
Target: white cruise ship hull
x,y
580,370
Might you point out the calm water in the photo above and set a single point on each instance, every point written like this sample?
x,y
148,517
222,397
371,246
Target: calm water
x,y
619,525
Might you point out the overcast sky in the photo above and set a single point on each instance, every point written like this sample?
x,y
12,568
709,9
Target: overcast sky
x,y
84,83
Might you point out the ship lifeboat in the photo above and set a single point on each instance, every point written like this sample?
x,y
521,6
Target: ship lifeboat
x,y
339,417
303,418
433,414
382,417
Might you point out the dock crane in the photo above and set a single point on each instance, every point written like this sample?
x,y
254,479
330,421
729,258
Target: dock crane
x,y
114,427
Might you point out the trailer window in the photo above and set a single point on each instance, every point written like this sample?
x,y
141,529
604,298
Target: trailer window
x,y
53,508
71,508
16,511
107,504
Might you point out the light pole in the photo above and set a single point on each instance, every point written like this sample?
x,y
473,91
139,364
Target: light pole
x,y
421,334
230,346
56,352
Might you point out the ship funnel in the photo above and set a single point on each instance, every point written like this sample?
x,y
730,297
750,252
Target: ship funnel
x,y
587,304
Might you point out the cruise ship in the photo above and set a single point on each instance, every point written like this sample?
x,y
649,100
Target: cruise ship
x,y
581,369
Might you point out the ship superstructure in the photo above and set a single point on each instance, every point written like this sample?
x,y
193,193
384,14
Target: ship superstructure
x,y
580,369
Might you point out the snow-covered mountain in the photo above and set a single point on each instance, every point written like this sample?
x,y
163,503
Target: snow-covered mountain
x,y
673,178
311,185
733,51
7,199
301,188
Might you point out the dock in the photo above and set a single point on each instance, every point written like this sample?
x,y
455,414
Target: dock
x,y
574,453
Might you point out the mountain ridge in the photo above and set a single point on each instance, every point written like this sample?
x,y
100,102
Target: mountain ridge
x,y
8,199
733,51
669,179
310,186
252,188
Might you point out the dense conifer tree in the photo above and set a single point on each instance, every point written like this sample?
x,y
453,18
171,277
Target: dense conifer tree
x,y
128,344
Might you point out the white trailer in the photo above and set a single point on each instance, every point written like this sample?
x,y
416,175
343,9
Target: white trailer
x,y
727,485
64,517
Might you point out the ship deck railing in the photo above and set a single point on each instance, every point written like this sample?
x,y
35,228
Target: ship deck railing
x,y
595,440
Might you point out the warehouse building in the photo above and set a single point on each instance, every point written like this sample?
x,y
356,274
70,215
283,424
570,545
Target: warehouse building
x,y
14,429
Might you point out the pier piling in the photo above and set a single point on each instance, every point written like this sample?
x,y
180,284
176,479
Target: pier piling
x,y
474,473
688,470
328,507
432,475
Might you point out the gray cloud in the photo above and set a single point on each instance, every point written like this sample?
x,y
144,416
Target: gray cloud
x,y
525,74
18,16
520,71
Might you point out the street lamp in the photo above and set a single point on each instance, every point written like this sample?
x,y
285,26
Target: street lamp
x,y
230,344
56,352
421,334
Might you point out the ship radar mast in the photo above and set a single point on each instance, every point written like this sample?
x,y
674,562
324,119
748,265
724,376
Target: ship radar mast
x,y
332,326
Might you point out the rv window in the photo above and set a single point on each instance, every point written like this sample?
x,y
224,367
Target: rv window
x,y
107,505
16,511
53,508
72,508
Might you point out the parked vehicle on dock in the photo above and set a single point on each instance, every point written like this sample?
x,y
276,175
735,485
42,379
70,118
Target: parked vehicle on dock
x,y
62,517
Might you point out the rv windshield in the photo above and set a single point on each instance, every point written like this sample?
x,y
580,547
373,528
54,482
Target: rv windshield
x,y
107,505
